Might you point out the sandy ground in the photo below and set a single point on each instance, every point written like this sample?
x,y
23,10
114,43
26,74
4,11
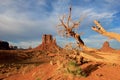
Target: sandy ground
x,y
48,72
38,66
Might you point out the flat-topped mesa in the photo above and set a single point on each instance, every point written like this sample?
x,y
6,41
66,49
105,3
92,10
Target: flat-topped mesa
x,y
48,43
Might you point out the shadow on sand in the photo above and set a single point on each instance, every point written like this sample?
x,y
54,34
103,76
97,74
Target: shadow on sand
x,y
90,68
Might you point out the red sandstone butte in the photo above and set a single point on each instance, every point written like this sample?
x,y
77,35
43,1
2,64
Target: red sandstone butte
x,y
106,47
48,43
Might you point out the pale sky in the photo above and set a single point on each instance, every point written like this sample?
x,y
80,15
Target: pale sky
x,y
22,22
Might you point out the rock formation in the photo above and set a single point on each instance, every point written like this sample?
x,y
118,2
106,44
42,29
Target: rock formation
x,y
4,45
13,47
48,43
106,47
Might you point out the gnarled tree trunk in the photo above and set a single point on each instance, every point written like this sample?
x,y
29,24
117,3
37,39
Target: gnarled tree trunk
x,y
69,26
98,28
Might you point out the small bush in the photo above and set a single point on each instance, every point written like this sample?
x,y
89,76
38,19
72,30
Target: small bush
x,y
75,70
72,63
38,79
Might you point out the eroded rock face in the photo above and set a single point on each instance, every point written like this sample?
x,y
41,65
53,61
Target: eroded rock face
x,y
106,47
48,43
4,45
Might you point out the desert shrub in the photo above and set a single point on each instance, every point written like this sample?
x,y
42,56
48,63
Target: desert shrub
x,y
72,63
38,79
75,70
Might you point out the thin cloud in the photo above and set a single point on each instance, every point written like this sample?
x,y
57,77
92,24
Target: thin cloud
x,y
25,44
23,20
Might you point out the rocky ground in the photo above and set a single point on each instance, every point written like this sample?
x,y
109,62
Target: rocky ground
x,y
52,65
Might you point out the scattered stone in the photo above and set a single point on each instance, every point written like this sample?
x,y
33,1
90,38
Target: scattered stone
x,y
58,62
51,54
99,75
51,62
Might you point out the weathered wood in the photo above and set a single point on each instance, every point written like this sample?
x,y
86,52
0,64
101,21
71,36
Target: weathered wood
x,y
69,30
103,57
98,28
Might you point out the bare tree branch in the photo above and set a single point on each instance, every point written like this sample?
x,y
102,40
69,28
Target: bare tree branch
x,y
69,16
98,28
70,32
75,25
63,24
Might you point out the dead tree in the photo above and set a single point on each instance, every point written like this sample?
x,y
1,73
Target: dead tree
x,y
68,30
98,28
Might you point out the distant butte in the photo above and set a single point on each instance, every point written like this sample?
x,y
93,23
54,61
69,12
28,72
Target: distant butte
x,y
48,43
4,45
106,48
